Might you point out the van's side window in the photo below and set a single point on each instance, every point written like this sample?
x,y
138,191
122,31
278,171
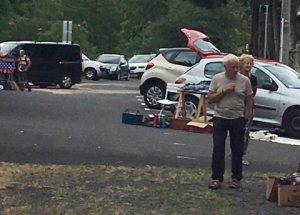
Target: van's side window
x,y
66,53
45,51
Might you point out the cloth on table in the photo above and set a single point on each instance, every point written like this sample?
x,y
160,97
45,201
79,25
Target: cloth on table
x,y
201,87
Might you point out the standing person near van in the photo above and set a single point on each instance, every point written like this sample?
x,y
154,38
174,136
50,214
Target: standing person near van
x,y
232,94
23,65
246,64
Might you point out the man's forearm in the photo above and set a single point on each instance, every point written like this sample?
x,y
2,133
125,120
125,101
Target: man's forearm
x,y
214,97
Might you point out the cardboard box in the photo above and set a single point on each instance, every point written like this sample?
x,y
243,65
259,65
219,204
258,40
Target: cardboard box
x,y
179,123
272,188
289,195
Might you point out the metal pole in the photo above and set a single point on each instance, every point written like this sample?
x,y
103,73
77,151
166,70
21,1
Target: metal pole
x,y
266,31
281,40
286,15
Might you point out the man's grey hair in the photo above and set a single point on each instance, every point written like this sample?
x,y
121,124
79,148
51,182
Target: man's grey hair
x,y
230,57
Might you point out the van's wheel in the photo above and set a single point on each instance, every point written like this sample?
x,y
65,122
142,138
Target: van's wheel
x,y
292,123
65,82
154,92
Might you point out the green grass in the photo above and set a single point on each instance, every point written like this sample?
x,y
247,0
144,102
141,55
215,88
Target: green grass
x,y
61,189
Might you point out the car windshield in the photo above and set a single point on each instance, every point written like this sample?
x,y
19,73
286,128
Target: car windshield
x,y
139,59
289,77
84,57
206,46
113,59
6,47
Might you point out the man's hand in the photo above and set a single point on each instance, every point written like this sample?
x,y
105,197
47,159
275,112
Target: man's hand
x,y
230,87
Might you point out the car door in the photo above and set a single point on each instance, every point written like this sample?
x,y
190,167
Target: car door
x,y
266,101
182,61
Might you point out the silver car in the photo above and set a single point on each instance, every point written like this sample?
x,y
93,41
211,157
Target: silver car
x,y
277,101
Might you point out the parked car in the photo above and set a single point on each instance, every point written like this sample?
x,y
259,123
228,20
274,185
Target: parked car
x,y
90,68
170,63
52,63
114,67
138,63
277,101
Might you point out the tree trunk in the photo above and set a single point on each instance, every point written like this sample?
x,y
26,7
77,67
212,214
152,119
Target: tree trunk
x,y
293,34
261,28
276,22
253,46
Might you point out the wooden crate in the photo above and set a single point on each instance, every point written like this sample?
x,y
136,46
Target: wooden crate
x,y
179,123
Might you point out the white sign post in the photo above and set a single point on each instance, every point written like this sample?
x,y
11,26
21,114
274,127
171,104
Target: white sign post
x,y
67,32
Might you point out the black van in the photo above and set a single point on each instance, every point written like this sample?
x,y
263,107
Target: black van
x,y
51,63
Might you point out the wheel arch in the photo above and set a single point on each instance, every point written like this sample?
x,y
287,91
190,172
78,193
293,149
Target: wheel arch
x,y
90,68
152,80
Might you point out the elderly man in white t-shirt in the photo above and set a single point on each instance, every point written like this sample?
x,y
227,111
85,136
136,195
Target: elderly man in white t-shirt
x,y
232,94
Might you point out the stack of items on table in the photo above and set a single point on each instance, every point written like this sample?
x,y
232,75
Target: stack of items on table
x,y
201,87
7,67
285,190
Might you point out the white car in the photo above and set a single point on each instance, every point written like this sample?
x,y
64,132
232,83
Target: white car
x,y
277,101
138,64
170,63
90,68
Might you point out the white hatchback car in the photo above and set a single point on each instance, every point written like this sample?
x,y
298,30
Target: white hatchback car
x,y
170,63
277,101
138,64
90,68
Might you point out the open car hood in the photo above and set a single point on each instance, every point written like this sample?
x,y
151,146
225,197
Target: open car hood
x,y
200,43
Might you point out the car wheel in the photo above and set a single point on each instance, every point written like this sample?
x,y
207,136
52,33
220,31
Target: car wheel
x,y
119,76
66,82
191,103
292,123
128,76
91,74
153,93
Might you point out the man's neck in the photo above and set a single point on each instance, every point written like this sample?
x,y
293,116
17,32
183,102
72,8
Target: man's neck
x,y
229,77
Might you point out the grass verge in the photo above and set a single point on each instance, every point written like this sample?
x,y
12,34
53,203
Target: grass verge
x,y
60,189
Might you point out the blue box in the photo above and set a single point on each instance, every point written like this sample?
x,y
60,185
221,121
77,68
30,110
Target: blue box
x,y
132,117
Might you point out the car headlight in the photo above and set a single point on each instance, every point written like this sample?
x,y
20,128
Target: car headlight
x,y
114,68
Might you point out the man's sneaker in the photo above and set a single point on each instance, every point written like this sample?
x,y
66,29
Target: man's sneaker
x,y
235,184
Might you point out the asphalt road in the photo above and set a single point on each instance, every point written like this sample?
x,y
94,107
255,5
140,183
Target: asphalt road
x,y
83,126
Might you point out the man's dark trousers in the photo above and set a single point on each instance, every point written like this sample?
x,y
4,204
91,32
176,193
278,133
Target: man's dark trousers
x,y
221,127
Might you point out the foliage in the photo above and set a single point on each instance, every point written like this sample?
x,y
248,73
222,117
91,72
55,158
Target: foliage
x,y
128,26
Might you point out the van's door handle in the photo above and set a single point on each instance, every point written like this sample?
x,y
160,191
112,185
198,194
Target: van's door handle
x,y
170,69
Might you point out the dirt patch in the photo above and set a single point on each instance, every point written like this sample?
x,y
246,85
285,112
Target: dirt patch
x,y
60,189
